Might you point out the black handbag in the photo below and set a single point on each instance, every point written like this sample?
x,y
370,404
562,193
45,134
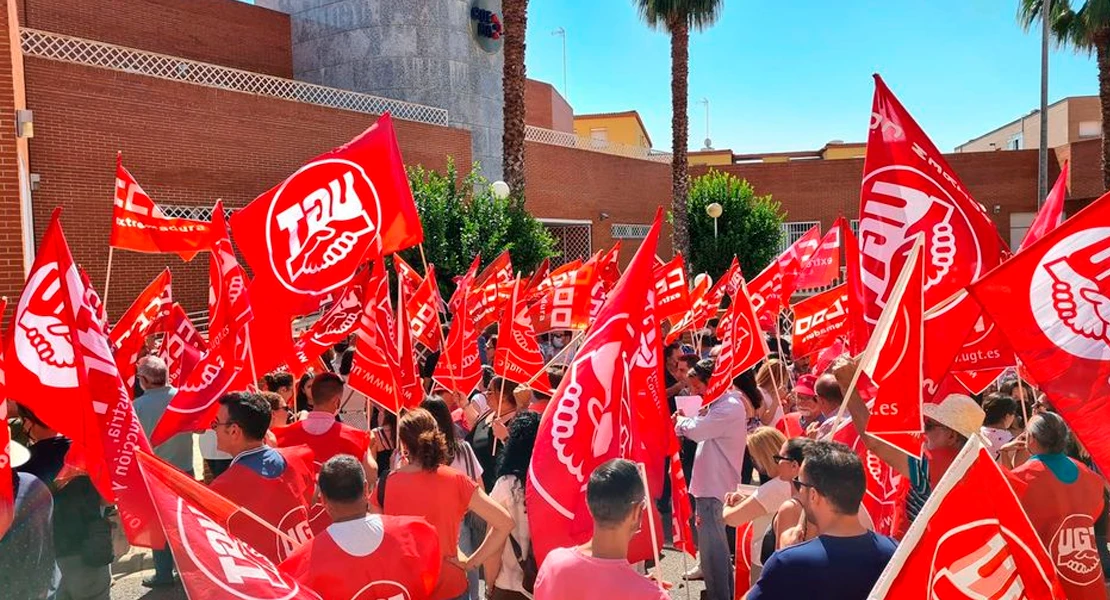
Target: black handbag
x,y
527,564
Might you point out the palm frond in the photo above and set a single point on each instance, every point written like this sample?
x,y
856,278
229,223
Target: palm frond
x,y
1080,24
698,14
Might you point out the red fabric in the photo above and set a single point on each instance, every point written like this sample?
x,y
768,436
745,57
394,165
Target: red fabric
x,y
566,302
698,302
1064,516
518,357
142,318
282,501
820,319
7,494
767,292
744,559
553,278
491,293
408,276
138,224
978,381
308,236
883,499
1050,301
412,388
406,564
858,330
672,293
793,259
538,276
182,345
961,546
423,309
823,266
458,368
742,344
442,497
681,512
984,348
909,190
588,420
335,325
1051,214
791,425
212,562
893,359
463,284
376,369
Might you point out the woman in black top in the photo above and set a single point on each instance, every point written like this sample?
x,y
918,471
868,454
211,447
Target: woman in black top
x,y
493,425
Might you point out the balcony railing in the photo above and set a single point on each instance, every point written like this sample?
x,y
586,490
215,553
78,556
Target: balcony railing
x,y
571,140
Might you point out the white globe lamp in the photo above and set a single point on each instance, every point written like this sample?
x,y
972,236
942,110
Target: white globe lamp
x,y
500,190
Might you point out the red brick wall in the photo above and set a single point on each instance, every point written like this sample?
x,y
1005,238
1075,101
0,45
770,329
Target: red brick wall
x,y
822,190
537,103
11,251
1084,174
185,144
566,183
224,32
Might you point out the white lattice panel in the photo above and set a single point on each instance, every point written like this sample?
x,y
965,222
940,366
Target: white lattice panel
x,y
571,140
109,56
571,241
792,231
626,231
196,213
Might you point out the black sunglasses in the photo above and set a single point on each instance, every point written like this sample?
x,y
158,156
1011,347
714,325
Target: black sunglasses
x,y
799,484
779,458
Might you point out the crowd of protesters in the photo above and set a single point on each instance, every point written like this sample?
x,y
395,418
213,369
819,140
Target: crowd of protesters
x,y
434,498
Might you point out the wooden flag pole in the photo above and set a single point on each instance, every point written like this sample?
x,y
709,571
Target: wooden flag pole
x,y
107,280
577,338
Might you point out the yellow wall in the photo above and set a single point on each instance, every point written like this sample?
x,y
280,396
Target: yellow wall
x,y
719,157
622,129
838,152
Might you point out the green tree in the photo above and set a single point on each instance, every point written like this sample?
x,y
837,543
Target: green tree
x,y
750,226
678,17
1085,26
462,218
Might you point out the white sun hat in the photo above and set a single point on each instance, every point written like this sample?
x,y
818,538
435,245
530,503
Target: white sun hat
x,y
19,454
957,412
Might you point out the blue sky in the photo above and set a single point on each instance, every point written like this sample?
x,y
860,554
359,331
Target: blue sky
x,y
793,75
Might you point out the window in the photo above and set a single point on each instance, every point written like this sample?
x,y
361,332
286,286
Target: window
x,y
793,231
196,213
599,134
1090,129
1015,141
624,231
854,224
1019,226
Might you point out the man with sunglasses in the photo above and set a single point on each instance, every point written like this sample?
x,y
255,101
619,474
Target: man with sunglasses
x,y
845,560
276,485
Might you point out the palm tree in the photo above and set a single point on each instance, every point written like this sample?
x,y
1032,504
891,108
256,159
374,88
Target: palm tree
x,y
1085,26
515,14
677,17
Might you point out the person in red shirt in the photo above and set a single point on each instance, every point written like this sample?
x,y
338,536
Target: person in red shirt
x,y
327,437
599,569
424,487
1063,499
363,556
275,485
794,424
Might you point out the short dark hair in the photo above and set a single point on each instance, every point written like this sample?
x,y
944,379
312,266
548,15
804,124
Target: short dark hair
x,y
689,359
504,388
277,380
487,375
614,491
828,389
342,479
670,349
703,370
997,406
251,412
796,448
836,473
325,387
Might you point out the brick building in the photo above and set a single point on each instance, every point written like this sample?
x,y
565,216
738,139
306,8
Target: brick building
x,y
200,98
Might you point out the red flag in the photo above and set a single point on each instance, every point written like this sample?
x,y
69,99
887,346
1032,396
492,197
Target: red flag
x,y
7,497
1051,214
766,291
307,236
423,310
1051,303
229,305
99,311
893,358
823,266
488,302
961,546
744,536
885,493
212,562
742,344
589,419
672,293
858,330
408,276
376,368
541,273
144,315
793,259
984,348
182,345
683,537
977,381
567,302
458,368
553,278
412,390
500,270
138,224
518,357
909,190
698,303
336,325
820,319
42,356
825,357
466,282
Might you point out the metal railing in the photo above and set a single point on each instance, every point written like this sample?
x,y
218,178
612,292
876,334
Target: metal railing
x,y
53,46
571,140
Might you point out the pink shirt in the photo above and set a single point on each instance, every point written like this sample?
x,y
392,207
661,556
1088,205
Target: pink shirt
x,y
567,574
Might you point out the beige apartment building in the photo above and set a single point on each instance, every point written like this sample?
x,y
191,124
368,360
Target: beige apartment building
x,y
1071,119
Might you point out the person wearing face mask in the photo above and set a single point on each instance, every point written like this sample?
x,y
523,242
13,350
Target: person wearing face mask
x,y
948,425
599,569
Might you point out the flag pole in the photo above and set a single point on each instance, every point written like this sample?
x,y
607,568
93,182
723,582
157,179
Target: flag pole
x,y
651,525
107,280
442,340
1021,386
500,401
577,338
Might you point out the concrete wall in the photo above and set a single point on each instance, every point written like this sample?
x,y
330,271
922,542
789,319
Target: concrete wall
x,y
418,51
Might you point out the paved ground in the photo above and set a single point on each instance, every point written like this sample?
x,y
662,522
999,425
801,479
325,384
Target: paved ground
x,y
129,586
